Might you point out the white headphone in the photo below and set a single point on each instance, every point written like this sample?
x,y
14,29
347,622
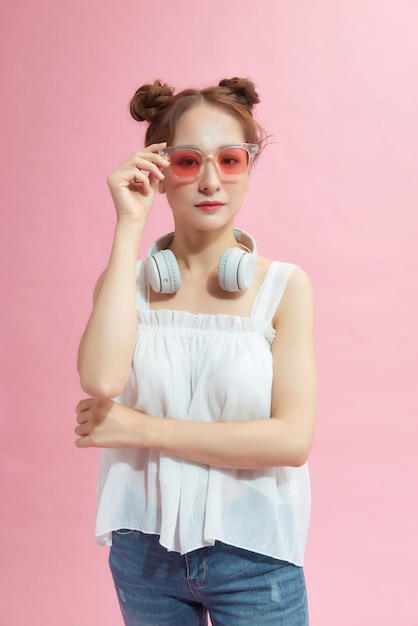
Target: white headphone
x,y
236,267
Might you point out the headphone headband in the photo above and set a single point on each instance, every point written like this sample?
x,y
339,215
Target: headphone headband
x,y
164,242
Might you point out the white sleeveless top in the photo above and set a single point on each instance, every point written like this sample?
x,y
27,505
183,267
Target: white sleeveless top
x,y
204,368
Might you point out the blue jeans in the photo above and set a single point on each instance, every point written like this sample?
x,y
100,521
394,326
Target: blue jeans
x,y
234,586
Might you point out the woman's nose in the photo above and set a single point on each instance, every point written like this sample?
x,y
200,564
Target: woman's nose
x,y
209,180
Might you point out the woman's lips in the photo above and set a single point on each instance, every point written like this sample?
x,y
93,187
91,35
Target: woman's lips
x,y
209,207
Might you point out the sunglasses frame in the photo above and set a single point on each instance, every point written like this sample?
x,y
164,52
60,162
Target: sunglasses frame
x,y
251,148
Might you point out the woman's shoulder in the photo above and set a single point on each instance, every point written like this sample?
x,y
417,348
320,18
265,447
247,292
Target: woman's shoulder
x,y
297,297
296,274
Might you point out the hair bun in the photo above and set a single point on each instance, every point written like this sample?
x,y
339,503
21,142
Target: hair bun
x,y
150,100
243,89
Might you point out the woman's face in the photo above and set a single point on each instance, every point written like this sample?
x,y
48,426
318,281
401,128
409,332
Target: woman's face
x,y
211,201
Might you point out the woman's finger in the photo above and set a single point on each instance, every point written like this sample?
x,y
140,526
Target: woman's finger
x,y
84,405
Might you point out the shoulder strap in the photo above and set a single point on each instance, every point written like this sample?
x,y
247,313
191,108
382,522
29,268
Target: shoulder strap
x,y
271,290
142,287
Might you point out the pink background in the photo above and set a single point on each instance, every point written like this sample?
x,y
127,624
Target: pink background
x,y
336,193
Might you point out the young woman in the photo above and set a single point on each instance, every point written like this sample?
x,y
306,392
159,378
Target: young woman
x,y
208,349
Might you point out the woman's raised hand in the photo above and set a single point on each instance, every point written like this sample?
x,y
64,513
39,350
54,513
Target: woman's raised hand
x,y
134,184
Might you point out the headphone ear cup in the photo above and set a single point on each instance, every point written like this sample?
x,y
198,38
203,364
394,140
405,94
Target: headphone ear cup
x,y
228,269
236,269
246,270
163,272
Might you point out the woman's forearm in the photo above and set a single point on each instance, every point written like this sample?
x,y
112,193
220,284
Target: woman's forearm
x,y
258,443
106,348
274,442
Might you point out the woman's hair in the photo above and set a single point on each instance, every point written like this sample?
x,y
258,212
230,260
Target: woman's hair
x,y
158,105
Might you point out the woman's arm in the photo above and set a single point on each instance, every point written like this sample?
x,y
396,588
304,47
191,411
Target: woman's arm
x,y
105,351
285,439
106,347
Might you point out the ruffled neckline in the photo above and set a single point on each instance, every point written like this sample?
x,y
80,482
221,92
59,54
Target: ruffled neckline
x,y
165,319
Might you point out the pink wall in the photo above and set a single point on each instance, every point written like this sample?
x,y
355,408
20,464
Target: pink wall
x,y
337,193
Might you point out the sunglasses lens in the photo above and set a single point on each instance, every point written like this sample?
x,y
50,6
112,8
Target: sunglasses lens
x,y
233,161
185,163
